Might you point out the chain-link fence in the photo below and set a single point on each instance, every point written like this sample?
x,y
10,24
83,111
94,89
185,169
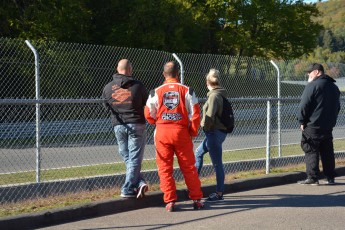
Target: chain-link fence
x,y
60,139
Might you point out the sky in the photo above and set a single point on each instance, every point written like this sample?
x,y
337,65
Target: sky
x,y
313,1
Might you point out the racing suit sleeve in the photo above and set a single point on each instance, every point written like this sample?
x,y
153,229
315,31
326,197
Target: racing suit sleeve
x,y
150,110
193,108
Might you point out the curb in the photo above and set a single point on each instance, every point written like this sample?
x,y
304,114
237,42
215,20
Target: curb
x,y
153,199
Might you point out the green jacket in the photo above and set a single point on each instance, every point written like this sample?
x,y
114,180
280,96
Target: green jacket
x,y
213,109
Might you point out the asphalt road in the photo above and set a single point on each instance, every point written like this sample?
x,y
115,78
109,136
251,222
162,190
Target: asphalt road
x,y
290,206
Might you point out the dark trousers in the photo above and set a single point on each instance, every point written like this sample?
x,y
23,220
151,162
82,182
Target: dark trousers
x,y
316,143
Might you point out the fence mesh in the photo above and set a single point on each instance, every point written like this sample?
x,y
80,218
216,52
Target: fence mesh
x,y
17,72
78,150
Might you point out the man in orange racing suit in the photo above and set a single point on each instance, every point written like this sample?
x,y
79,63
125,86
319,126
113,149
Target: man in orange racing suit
x,y
174,108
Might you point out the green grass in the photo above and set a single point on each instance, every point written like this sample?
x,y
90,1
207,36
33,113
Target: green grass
x,y
111,169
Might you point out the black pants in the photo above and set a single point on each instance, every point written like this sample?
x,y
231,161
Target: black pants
x,y
316,143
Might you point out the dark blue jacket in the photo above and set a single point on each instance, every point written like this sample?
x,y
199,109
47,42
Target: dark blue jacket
x,y
320,104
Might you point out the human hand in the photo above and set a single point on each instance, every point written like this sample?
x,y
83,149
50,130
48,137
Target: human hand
x,y
302,127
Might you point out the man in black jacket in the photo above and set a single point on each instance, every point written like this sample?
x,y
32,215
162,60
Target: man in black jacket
x,y
317,115
125,99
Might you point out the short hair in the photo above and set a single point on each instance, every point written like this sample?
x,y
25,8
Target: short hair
x,y
171,69
213,77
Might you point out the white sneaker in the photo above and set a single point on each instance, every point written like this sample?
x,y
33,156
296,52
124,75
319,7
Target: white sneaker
x,y
127,195
141,190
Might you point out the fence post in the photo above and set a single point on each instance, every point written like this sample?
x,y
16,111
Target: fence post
x,y
279,108
181,65
38,125
268,137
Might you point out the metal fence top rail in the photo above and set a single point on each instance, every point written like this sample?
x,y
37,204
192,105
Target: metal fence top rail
x,y
49,101
97,101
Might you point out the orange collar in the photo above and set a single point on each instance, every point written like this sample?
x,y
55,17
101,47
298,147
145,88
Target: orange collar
x,y
171,80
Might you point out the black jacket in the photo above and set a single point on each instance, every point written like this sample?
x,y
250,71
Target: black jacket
x,y
320,104
125,98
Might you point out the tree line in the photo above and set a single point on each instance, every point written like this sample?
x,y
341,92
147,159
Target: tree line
x,y
331,40
281,29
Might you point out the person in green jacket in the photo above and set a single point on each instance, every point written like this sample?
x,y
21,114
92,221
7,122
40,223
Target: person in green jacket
x,y
214,131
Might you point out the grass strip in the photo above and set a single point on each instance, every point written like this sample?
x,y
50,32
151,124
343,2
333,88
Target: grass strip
x,y
116,168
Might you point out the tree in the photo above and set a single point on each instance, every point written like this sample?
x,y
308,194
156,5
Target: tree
x,y
328,41
271,28
261,28
59,20
162,25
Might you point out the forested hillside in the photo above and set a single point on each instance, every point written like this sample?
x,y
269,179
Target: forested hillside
x,y
331,41
333,17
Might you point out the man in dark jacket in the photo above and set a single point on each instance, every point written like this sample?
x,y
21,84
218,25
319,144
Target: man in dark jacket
x,y
125,98
318,112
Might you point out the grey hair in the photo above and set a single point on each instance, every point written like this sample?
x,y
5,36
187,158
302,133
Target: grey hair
x,y
213,77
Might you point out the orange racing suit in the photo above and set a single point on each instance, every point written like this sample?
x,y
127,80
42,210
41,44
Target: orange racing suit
x,y
175,110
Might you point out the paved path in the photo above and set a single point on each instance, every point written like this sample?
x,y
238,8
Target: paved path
x,y
290,206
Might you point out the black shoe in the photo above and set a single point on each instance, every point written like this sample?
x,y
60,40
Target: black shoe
x,y
309,182
330,181
213,197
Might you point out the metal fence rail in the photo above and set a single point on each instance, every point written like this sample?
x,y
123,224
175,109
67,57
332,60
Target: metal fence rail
x,y
54,140
81,149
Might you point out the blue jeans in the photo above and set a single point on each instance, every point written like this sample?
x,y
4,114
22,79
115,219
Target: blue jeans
x,y
212,144
131,140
